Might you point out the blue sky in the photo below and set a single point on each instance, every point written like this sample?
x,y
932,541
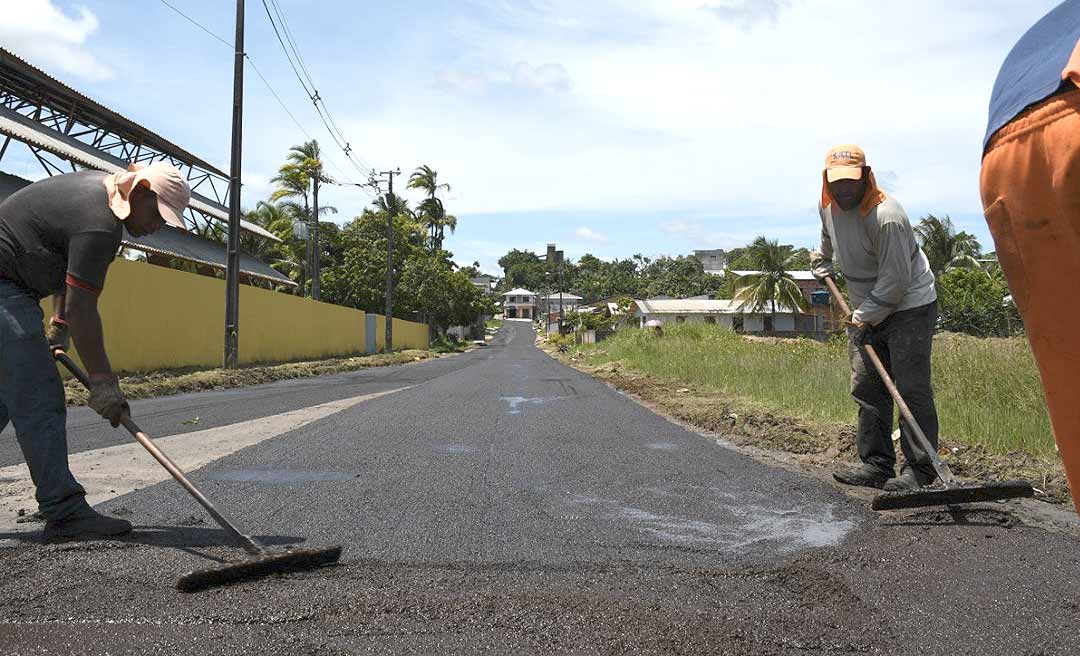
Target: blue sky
x,y
645,126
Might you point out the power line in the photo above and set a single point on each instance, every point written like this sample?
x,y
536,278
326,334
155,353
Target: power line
x,y
262,77
196,23
312,92
303,67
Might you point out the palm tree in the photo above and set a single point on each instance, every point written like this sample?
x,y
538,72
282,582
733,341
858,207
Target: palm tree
x,y
303,171
772,284
944,247
433,215
431,210
397,203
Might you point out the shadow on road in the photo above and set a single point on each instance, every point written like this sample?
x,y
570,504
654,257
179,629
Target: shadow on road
x,y
183,538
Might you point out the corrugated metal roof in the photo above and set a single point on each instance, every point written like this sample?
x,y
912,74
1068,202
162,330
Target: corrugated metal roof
x,y
173,242
27,72
565,296
19,127
519,292
696,306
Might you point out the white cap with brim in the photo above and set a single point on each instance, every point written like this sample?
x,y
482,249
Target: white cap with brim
x,y
162,178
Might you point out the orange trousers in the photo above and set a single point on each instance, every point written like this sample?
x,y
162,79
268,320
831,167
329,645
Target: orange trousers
x,y
1031,194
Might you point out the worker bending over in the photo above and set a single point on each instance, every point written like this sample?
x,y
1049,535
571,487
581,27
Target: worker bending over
x,y
57,238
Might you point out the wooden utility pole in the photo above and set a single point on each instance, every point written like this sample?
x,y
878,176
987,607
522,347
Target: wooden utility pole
x,y
391,207
232,270
313,240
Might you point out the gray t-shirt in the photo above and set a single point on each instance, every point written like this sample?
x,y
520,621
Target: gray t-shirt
x,y
880,258
58,227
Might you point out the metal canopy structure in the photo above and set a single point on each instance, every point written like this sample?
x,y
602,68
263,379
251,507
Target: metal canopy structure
x,y
175,243
65,129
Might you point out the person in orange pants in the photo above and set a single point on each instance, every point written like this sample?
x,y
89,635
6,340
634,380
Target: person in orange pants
x,y
1031,194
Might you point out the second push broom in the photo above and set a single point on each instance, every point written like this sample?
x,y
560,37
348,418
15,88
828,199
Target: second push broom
x,y
262,562
954,491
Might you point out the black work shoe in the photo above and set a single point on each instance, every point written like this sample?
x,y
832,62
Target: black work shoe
x,y
864,475
86,524
908,481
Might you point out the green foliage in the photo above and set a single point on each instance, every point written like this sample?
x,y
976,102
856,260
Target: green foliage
x,y
522,269
446,344
431,211
589,320
678,277
773,285
973,302
988,390
946,248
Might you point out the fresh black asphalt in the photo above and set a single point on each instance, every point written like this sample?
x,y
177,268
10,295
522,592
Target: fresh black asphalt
x,y
186,413
508,504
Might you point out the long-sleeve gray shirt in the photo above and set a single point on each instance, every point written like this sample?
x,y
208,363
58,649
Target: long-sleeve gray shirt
x,y
885,269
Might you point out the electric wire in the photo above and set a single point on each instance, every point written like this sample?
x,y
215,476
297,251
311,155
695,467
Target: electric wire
x,y
260,75
292,53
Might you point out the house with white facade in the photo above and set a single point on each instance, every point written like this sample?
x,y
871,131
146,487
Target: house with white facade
x,y
485,283
720,312
550,303
519,304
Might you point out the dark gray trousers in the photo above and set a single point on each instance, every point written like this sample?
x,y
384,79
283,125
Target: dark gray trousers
x,y
903,342
32,398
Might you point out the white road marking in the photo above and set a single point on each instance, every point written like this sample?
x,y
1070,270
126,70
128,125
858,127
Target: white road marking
x,y
112,471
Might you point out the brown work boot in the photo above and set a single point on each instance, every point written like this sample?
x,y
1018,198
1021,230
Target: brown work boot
x,y
85,524
864,476
909,480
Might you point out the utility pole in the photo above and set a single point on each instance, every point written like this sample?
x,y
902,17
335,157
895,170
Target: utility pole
x,y
390,207
316,250
232,275
559,281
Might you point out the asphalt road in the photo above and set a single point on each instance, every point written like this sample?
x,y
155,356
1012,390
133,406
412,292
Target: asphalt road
x,y
507,504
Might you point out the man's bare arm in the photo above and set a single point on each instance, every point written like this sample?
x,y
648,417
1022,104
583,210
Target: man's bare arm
x,y
84,324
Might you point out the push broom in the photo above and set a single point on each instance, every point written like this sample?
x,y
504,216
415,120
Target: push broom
x,y
263,562
953,491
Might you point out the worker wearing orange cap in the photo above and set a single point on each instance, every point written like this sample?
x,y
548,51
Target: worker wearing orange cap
x,y
1031,194
57,238
866,235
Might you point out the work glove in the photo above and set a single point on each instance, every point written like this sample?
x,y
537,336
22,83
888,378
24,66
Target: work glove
x,y
861,336
106,398
57,336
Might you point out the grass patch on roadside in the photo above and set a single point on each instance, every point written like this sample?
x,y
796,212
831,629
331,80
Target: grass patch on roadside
x,y
167,382
988,390
493,323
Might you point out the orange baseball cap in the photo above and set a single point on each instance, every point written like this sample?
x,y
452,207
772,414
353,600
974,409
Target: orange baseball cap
x,y
844,162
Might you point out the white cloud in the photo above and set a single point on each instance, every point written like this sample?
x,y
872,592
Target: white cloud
x,y
698,235
51,39
545,77
589,235
747,13
549,77
670,104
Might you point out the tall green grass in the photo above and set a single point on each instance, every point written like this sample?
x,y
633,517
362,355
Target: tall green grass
x,y
988,390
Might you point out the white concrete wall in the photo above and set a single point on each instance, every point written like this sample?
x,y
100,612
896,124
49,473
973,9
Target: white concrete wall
x,y
751,323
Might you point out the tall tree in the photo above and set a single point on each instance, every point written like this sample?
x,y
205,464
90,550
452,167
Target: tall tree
x,y
773,284
301,174
431,210
946,248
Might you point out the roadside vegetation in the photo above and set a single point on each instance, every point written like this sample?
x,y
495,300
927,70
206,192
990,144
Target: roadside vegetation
x,y
988,390
791,396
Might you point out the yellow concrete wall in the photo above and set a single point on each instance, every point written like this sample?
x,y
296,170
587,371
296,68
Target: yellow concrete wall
x,y
158,318
407,334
